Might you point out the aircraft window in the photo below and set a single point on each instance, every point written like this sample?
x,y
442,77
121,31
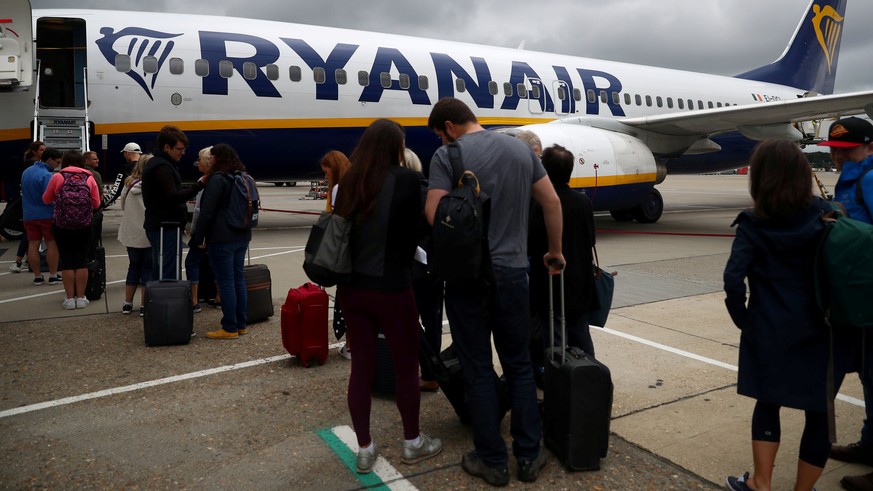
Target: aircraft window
x,y
122,63
562,93
404,81
507,89
710,104
460,85
699,104
319,75
272,72
363,78
627,99
649,100
616,98
659,101
591,96
423,83
177,66
225,68
690,104
341,76
492,87
603,97
294,73
522,91
670,102
638,99
577,94
385,80
250,70
201,67
718,104
150,64
681,103
535,91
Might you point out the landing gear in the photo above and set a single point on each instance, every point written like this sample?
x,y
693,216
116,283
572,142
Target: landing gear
x,y
650,209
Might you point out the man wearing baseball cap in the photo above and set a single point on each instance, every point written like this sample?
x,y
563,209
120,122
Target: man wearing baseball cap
x,y
851,144
131,153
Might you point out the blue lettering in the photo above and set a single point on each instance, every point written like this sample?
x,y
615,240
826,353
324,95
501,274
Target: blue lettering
x,y
213,48
447,68
336,60
589,83
385,59
520,70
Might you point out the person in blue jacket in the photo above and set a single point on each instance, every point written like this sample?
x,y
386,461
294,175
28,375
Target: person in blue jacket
x,y
784,343
851,143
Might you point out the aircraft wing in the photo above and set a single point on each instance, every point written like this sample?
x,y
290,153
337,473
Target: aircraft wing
x,y
724,119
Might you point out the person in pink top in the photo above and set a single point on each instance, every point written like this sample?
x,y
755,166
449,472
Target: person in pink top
x,y
69,190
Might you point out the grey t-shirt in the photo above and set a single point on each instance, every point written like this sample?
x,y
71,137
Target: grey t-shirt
x,y
507,168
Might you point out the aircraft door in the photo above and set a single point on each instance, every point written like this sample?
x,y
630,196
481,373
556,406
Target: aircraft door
x,y
62,55
562,97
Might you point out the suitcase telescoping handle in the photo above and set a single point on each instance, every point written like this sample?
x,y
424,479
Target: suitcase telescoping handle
x,y
560,266
178,228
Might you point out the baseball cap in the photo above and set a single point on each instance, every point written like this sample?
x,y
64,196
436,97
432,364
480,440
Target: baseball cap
x,y
849,133
132,147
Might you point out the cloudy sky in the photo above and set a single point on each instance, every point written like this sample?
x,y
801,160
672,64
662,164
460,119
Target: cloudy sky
x,y
712,36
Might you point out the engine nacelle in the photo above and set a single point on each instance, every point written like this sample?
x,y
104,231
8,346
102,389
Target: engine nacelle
x,y
615,170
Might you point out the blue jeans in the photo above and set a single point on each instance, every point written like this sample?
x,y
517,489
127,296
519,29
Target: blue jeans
x,y
227,260
192,264
172,247
139,268
475,313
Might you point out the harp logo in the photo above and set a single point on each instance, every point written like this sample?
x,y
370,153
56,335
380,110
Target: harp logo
x,y
146,49
828,25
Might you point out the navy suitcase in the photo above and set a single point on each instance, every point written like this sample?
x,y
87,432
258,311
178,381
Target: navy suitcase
x,y
96,284
577,401
168,316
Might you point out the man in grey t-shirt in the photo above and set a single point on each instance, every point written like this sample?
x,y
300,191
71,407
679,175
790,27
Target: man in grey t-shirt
x,y
511,174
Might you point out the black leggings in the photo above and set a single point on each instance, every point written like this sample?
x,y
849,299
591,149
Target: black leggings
x,y
815,444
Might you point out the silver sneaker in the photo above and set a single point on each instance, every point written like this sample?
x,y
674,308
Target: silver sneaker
x,y
70,303
366,460
428,448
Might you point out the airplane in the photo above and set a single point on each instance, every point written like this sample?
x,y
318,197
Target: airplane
x,y
284,94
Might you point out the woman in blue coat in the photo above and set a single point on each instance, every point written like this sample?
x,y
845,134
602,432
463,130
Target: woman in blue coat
x,y
784,344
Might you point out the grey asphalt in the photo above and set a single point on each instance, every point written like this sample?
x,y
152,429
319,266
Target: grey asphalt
x,y
85,405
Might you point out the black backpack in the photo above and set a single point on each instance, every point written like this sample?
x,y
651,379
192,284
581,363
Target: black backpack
x,y
244,202
460,226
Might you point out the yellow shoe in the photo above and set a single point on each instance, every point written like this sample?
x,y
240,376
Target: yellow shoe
x,y
221,334
242,331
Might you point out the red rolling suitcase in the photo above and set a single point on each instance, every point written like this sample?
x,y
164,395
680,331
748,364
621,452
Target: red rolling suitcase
x,y
304,324
577,401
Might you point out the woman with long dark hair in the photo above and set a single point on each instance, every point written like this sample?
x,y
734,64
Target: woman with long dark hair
x,y
226,245
383,200
784,344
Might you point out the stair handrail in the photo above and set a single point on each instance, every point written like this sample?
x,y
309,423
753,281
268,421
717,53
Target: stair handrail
x,y
85,130
36,101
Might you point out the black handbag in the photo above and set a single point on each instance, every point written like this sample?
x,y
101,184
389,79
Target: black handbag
x,y
327,259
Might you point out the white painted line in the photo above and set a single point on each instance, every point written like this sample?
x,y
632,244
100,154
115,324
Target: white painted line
x,y
710,361
382,468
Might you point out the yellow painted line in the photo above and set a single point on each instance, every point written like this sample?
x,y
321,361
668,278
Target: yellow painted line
x,y
15,134
601,181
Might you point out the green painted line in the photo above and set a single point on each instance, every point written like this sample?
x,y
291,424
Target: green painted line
x,y
350,459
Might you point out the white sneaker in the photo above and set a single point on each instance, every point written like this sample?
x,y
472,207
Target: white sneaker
x,y
70,303
82,302
345,352
15,267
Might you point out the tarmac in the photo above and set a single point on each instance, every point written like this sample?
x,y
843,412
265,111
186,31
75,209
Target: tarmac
x,y
84,404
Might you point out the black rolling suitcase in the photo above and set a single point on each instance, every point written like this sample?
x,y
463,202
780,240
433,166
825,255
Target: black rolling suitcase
x,y
385,376
96,284
259,288
168,316
577,400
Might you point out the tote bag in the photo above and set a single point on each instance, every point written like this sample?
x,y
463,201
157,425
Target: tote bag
x,y
604,286
327,259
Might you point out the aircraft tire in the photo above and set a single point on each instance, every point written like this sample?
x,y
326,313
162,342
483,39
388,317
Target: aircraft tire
x,y
278,184
622,215
651,208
